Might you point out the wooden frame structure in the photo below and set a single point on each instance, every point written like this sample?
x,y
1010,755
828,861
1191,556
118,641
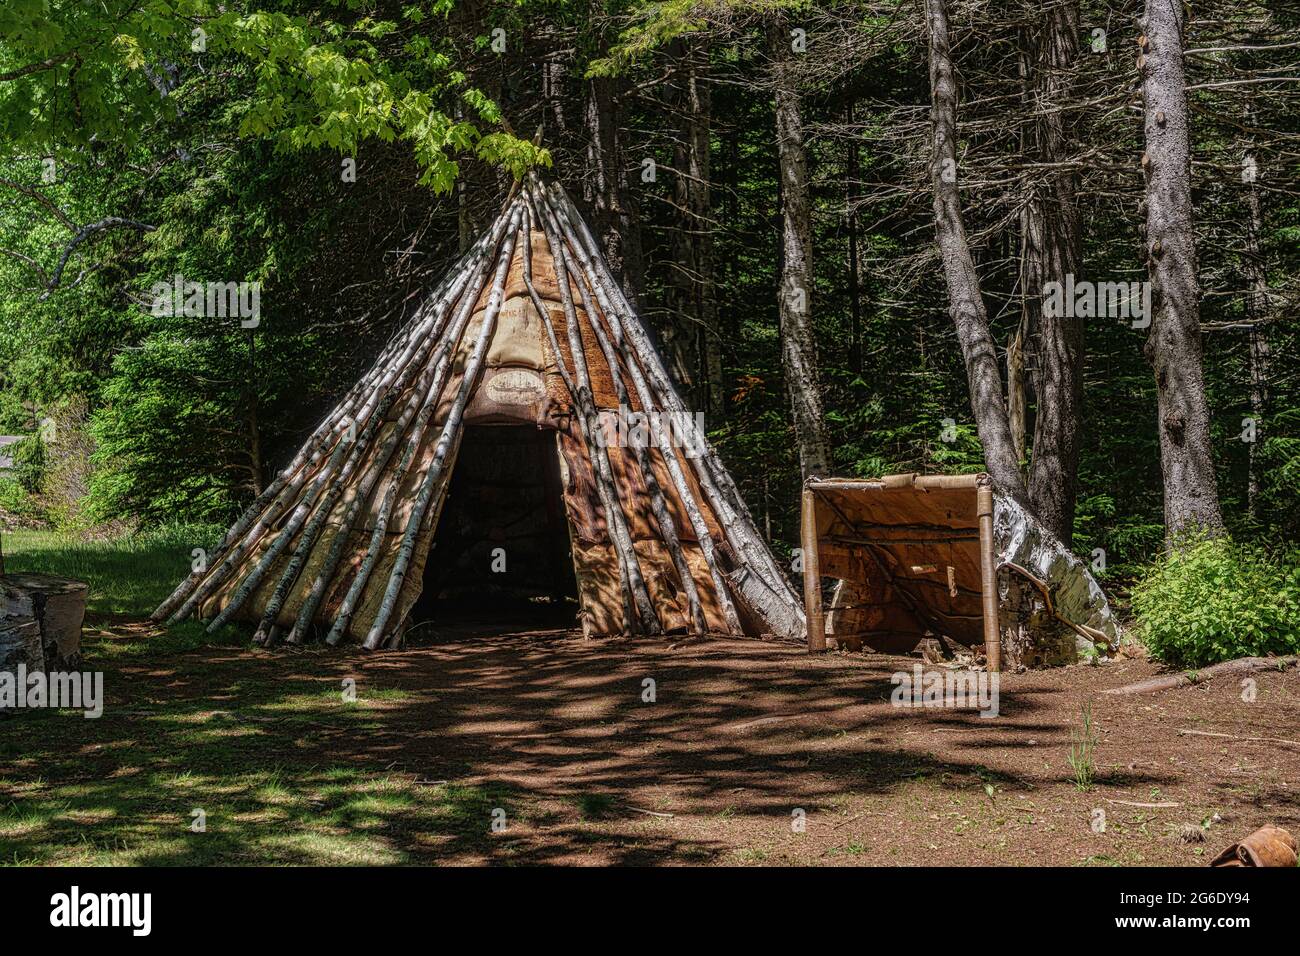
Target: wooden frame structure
x,y
529,328
886,538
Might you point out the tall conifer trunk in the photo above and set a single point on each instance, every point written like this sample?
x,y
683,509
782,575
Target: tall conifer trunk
x,y
965,302
798,344
1173,346
1051,251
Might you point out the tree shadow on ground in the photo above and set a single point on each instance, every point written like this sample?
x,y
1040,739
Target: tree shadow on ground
x,y
520,748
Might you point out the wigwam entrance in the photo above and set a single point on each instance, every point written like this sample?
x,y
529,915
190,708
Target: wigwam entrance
x,y
501,545
483,406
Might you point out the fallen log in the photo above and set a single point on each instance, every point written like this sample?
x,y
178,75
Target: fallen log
x,y
1242,665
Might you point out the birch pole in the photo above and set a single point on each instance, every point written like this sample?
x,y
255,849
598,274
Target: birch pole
x,y
734,518
620,536
658,505
316,524
201,585
279,493
441,364
669,456
432,480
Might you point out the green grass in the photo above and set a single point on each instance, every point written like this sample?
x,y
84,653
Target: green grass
x,y
1082,744
280,764
281,767
595,806
130,575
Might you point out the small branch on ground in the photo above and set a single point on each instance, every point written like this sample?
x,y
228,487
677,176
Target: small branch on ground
x,y
1242,665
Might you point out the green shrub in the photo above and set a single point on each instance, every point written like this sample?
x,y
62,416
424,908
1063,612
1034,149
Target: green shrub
x,y
16,501
1217,600
29,463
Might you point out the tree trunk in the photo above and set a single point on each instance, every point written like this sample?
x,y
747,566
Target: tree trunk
x,y
965,303
1173,346
256,466
1257,313
699,104
855,294
798,343
613,212
57,606
1050,232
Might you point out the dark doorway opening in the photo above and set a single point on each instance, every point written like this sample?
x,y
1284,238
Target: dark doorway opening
x,y
500,555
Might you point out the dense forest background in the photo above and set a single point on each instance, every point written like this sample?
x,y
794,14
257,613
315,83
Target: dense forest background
x,y
342,154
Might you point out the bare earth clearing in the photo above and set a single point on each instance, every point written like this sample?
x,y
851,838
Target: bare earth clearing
x,y
553,730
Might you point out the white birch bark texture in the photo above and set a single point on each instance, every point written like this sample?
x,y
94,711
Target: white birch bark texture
x,y
335,545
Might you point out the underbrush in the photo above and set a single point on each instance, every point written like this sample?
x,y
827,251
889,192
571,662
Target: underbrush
x,y
1217,600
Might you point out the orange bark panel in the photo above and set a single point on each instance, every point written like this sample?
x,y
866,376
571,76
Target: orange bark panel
x,y
599,593
634,497
581,500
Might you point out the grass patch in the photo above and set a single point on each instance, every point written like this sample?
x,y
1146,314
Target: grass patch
x,y
595,806
130,575
257,755
1082,743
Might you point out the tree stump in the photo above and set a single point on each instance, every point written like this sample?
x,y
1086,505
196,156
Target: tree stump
x,y
20,645
1031,636
57,606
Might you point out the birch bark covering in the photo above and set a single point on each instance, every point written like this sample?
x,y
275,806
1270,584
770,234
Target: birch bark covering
x,y
965,303
340,539
1174,344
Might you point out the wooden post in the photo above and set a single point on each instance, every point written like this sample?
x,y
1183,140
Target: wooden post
x,y
812,574
988,577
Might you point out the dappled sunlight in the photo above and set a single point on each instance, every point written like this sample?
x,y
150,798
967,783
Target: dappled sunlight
x,y
580,759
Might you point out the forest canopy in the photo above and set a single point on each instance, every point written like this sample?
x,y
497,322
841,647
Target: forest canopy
x,y
765,177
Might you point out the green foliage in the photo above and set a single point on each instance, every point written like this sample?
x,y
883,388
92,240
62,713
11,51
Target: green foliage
x,y
1216,600
29,463
14,500
92,73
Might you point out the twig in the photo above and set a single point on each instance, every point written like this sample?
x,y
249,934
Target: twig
x,y
1271,740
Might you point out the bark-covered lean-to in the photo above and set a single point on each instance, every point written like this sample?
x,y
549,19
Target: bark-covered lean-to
x,y
1173,346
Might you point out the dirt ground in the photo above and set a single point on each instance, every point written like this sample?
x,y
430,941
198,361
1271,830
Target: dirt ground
x,y
743,739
